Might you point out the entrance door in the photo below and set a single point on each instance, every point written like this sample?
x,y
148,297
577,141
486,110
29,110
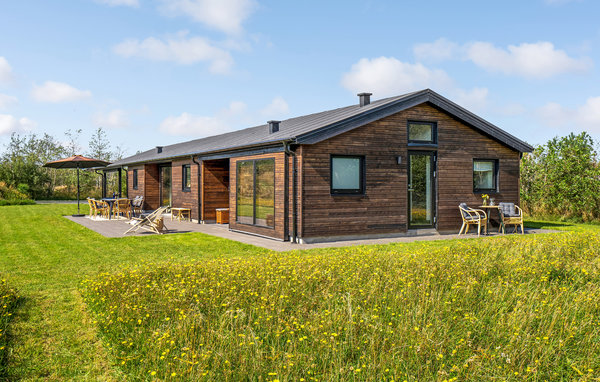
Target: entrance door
x,y
165,186
421,196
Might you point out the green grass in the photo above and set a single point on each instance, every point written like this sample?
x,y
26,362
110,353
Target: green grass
x,y
55,335
45,257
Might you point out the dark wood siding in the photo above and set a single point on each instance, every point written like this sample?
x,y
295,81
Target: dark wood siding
x,y
383,208
151,187
215,187
278,231
181,198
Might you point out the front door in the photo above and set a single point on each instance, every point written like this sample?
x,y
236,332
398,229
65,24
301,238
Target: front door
x,y
421,195
165,186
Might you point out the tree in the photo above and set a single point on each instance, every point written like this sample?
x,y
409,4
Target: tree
x,y
99,146
562,178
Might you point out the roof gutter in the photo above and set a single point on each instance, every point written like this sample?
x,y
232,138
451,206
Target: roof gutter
x,y
290,153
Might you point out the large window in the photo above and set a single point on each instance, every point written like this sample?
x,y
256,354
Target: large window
x,y
186,177
422,132
485,175
255,192
135,179
347,174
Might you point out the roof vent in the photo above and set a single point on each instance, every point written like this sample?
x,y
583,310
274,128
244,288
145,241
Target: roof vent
x,y
365,98
273,126
159,149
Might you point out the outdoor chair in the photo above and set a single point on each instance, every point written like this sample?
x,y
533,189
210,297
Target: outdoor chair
x,y
137,205
122,206
470,217
102,208
92,204
511,215
152,222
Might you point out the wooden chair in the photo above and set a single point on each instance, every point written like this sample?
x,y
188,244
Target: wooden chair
x,y
511,214
153,222
470,217
122,206
92,204
137,205
103,208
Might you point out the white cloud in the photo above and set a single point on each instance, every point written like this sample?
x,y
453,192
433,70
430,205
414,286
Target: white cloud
x,y
7,101
278,108
224,15
235,114
188,124
114,119
55,92
474,99
6,74
180,49
439,50
116,3
584,117
537,60
386,76
10,124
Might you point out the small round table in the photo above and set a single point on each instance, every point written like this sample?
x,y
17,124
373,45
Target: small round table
x,y
488,209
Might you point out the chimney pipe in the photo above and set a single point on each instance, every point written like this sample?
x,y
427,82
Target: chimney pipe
x,y
273,126
365,98
159,149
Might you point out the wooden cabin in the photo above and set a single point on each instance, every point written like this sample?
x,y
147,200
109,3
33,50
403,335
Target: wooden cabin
x,y
374,169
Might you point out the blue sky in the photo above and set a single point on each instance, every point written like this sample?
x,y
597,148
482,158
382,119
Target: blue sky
x,y
155,72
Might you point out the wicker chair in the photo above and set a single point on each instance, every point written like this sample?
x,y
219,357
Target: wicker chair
x,y
511,215
103,208
470,217
122,206
92,204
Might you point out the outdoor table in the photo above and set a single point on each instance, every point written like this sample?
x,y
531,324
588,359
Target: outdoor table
x,y
111,202
488,209
179,213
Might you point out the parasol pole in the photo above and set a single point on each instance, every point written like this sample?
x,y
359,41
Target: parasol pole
x,y
77,188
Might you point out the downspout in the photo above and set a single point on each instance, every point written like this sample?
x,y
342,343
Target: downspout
x,y
289,152
199,190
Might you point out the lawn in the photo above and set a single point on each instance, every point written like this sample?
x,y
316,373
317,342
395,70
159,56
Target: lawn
x,y
191,306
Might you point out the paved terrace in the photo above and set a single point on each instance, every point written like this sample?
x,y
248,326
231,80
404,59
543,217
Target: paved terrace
x,y
116,228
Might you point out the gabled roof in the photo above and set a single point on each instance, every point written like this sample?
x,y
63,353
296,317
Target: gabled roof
x,y
313,128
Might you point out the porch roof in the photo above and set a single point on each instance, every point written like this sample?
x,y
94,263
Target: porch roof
x,y
313,128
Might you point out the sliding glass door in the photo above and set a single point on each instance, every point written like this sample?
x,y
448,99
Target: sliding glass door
x,y
165,185
421,196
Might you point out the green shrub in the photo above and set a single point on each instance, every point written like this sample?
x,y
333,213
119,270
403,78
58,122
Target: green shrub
x,y
505,309
8,303
16,202
8,192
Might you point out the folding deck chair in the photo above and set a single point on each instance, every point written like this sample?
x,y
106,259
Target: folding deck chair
x,y
153,222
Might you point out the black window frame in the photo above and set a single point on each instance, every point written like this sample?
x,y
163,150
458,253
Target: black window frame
x,y
186,170
496,185
237,179
134,179
362,176
434,135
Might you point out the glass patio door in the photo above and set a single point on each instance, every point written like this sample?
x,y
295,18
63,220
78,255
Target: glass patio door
x,y
421,189
165,186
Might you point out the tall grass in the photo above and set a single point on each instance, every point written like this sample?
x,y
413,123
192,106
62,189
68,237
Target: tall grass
x,y
8,303
508,309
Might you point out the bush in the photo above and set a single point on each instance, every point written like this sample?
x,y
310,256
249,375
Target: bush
x,y
503,309
8,303
9,192
16,202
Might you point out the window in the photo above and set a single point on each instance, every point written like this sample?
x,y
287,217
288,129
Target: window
x,y
485,175
135,179
422,132
255,192
186,177
347,174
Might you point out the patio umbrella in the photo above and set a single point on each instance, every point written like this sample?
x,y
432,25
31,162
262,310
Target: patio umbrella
x,y
77,161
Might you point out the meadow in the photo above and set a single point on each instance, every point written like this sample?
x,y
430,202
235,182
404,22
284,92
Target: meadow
x,y
196,307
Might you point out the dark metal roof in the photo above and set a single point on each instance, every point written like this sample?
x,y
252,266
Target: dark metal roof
x,y
316,127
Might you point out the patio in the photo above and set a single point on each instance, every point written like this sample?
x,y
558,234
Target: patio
x,y
116,228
